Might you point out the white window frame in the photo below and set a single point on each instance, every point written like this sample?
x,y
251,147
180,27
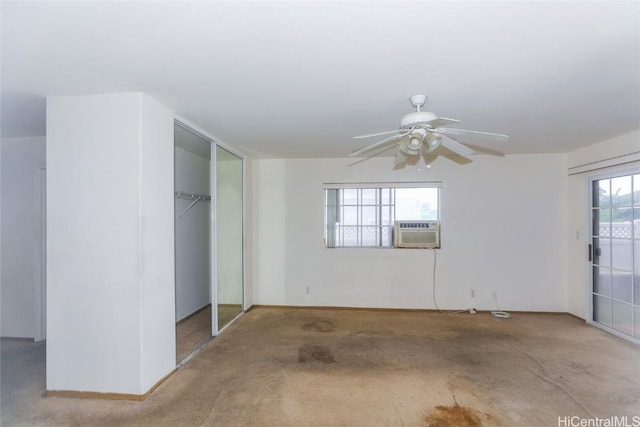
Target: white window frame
x,y
331,210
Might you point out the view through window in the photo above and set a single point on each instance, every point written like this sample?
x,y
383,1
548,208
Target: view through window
x,y
616,254
365,217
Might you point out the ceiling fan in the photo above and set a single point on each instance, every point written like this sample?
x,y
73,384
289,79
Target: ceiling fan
x,y
422,132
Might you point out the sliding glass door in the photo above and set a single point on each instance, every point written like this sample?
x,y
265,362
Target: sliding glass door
x,y
616,254
229,236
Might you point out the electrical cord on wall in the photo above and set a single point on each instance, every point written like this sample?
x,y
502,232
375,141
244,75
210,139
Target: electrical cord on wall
x,y
499,313
435,302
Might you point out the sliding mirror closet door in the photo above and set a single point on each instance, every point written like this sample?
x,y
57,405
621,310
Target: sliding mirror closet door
x,y
229,263
192,236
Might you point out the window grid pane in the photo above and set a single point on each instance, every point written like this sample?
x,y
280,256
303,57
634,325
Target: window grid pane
x,y
616,253
365,217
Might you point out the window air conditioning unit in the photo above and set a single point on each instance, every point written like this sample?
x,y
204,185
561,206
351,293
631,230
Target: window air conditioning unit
x,y
417,234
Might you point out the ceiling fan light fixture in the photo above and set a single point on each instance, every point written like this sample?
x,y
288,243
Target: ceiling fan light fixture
x,y
418,135
409,151
411,146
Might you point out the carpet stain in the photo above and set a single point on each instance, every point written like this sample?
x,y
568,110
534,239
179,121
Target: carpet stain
x,y
472,359
321,353
320,326
456,415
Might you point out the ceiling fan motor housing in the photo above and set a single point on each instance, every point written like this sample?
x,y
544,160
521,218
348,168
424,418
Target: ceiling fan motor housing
x,y
414,119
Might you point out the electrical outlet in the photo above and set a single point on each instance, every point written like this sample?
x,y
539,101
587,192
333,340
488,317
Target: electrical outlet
x,y
308,289
473,293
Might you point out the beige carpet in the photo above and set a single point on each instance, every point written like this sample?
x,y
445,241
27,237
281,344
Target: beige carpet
x,y
195,329
303,367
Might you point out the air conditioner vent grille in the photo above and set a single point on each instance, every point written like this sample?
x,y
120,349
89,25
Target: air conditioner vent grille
x,y
417,225
417,234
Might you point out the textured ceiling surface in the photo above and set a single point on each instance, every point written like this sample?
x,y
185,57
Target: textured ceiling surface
x,y
299,79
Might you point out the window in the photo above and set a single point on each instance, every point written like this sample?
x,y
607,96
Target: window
x,y
364,215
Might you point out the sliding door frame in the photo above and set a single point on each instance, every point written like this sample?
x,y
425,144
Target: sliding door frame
x,y
214,237
213,281
608,173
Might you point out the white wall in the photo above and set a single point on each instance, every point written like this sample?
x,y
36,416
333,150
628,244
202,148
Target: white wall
x,y
503,229
22,158
110,270
193,260
268,207
619,154
157,242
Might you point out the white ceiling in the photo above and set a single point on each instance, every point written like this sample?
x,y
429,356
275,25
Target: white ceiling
x,y
298,79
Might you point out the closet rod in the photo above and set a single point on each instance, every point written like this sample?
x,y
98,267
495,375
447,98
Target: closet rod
x,y
192,196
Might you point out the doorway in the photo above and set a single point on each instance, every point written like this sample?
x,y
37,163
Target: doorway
x,y
615,254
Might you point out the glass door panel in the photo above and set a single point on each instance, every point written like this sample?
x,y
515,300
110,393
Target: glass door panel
x,y
616,254
229,232
192,164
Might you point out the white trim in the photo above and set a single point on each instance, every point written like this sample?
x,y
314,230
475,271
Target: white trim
x,y
412,184
624,159
244,235
140,304
213,239
191,130
588,294
189,126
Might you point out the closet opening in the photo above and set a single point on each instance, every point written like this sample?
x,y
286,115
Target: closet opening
x,y
193,260
209,239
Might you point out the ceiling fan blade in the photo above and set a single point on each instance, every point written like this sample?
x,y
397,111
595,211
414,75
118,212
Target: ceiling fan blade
x,y
400,158
442,121
456,147
369,135
484,150
389,140
427,155
426,150
462,132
